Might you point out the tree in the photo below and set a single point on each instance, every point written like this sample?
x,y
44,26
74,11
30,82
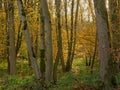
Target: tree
x,y
66,20
72,40
48,40
42,44
11,33
69,61
104,46
19,39
75,31
28,40
59,55
93,27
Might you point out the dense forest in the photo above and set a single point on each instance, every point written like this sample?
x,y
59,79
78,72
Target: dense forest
x,y
59,44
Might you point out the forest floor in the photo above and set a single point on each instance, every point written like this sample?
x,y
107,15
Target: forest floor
x,y
80,78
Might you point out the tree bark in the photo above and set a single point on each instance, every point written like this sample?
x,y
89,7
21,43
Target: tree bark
x,y
42,44
11,31
28,40
94,54
19,39
48,40
104,46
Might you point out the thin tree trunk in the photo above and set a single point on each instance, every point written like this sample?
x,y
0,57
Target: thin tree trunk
x,y
36,44
7,40
94,54
95,46
55,68
59,35
59,42
19,39
66,21
68,64
86,59
28,40
90,57
75,29
10,21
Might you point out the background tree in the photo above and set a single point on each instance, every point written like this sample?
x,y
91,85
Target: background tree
x,y
59,55
70,46
11,33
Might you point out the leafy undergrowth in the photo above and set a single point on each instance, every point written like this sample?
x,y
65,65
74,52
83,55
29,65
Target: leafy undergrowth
x,y
80,78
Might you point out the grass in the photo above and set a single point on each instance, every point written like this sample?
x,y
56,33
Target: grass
x,y
79,77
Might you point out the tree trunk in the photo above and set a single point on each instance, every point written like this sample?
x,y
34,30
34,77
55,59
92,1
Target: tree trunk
x,y
103,44
7,36
59,34
28,40
75,29
66,22
55,68
69,63
86,60
48,40
94,54
19,39
42,45
10,22
90,57
59,42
